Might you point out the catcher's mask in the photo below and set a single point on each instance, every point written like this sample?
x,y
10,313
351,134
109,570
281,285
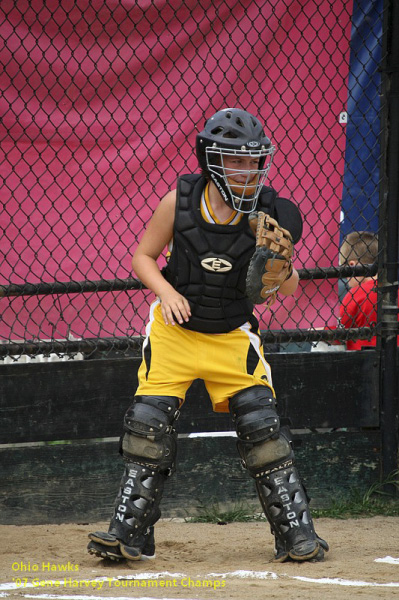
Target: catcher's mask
x,y
235,133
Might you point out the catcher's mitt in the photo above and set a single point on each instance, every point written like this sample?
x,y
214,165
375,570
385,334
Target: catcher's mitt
x,y
271,263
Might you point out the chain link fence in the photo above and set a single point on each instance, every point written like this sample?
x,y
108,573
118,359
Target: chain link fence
x,y
100,105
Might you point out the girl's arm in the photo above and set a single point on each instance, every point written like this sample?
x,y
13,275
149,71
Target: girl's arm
x,y
156,237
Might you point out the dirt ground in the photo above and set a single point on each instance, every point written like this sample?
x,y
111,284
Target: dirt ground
x,y
198,561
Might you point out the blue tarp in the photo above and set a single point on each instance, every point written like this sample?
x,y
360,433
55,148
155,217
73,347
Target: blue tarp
x,y
360,196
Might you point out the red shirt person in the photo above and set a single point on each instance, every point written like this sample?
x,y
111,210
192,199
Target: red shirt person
x,y
359,309
359,305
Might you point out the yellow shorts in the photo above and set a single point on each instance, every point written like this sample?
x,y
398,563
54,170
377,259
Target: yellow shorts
x,y
173,357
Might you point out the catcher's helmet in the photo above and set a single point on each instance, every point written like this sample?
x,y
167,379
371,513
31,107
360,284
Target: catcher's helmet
x,y
229,133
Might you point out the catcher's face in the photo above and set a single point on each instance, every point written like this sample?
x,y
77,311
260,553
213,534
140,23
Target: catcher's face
x,y
242,176
238,176
241,171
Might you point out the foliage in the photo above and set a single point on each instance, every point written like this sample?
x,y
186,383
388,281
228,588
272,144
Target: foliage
x,y
213,513
377,500
380,499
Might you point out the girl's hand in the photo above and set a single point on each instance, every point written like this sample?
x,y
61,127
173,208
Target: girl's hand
x,y
174,306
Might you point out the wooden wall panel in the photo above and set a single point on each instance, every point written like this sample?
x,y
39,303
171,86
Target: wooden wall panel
x,y
77,482
87,399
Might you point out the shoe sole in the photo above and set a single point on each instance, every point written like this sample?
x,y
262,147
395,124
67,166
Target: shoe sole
x,y
102,551
310,556
140,556
104,539
315,556
115,553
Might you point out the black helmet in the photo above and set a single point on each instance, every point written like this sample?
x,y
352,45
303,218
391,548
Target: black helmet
x,y
232,132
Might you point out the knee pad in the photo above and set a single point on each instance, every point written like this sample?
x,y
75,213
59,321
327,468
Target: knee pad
x,y
159,455
261,444
253,411
149,437
266,455
152,416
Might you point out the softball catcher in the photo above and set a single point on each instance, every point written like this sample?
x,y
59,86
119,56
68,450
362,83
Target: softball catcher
x,y
231,244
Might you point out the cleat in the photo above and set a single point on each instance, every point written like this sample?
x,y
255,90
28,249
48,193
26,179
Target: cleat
x,y
304,551
145,549
106,539
102,551
106,545
307,550
132,553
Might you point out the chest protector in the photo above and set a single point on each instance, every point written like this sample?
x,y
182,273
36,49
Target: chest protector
x,y
209,262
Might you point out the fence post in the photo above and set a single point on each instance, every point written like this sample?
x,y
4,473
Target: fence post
x,y
388,234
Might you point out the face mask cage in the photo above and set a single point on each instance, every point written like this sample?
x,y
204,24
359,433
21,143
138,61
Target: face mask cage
x,y
240,187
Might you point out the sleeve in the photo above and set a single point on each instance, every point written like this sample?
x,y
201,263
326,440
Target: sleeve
x,y
286,212
359,306
348,310
289,217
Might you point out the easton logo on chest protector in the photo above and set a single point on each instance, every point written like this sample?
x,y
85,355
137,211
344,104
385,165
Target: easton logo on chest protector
x,y
219,265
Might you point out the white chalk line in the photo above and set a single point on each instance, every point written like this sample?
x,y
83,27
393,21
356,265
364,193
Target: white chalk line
x,y
346,582
245,575
322,580
388,559
75,597
240,574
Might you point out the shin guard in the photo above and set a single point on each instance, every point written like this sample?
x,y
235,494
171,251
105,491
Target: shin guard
x,y
286,507
149,450
136,511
